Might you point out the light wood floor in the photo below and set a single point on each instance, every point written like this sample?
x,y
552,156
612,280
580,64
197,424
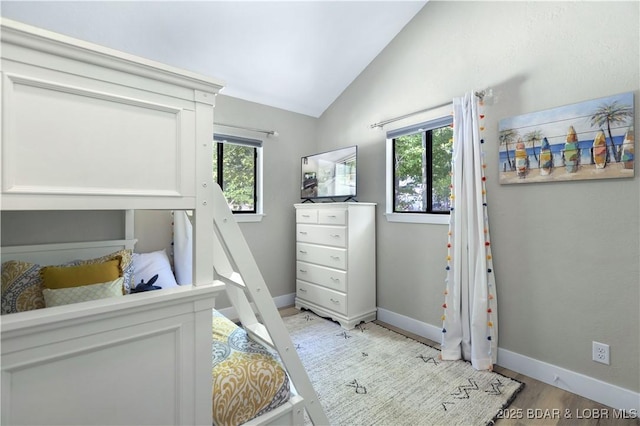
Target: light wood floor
x,y
538,403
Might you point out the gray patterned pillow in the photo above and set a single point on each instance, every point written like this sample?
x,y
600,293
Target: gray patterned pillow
x,y
21,287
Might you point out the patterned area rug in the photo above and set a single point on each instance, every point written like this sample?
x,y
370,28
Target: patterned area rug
x,y
374,376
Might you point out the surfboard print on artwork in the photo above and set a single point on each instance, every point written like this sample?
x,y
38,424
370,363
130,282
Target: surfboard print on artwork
x,y
600,150
571,153
587,140
546,158
521,159
627,149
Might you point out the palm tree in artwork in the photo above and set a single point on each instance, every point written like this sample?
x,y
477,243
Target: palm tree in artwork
x,y
609,114
506,137
531,138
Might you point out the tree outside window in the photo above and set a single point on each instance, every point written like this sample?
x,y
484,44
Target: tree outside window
x,y
421,167
235,163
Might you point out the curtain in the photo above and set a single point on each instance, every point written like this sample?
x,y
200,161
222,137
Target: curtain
x,y
470,318
182,247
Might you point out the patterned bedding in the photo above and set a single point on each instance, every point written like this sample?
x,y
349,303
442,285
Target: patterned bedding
x,y
248,380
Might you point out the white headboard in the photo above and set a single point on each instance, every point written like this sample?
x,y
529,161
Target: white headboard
x,y
56,254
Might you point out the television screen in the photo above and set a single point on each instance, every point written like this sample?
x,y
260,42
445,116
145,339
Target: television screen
x,y
329,174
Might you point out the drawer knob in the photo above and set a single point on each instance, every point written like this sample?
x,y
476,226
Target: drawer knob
x,y
304,271
337,302
335,280
335,257
335,235
306,215
302,251
303,232
304,290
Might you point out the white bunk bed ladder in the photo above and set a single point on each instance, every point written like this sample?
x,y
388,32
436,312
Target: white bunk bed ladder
x,y
236,268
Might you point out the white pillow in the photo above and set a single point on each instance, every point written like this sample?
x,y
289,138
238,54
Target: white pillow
x,y
65,296
146,265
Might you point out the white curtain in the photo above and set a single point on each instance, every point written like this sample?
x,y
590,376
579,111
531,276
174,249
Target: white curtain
x,y
182,247
470,319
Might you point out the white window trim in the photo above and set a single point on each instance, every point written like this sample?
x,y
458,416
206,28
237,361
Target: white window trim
x,y
251,217
426,218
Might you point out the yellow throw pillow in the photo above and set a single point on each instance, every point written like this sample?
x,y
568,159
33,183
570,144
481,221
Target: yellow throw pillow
x,y
65,296
126,266
73,276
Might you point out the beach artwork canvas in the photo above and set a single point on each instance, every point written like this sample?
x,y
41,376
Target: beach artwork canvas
x,y
586,140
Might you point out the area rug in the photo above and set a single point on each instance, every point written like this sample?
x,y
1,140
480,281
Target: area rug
x,y
374,376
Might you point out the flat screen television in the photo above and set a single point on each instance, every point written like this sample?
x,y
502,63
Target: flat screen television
x,y
330,174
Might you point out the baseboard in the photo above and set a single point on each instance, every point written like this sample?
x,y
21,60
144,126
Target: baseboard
x,y
580,384
577,383
280,301
411,325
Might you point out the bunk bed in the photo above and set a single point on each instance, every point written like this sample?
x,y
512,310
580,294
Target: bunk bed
x,y
89,128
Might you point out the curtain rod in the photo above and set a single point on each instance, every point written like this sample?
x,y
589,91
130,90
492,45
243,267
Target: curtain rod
x,y
381,124
266,132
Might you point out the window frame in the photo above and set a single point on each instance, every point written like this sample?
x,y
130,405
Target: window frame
x,y
441,218
257,144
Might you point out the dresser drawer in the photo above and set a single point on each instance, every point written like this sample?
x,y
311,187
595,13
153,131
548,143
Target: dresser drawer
x,y
307,216
322,296
327,277
327,235
332,257
332,217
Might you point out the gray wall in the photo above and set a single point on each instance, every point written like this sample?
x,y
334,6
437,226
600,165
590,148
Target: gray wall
x,y
43,227
566,255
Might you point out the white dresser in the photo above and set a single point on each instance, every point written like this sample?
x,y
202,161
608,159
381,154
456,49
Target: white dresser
x,y
336,261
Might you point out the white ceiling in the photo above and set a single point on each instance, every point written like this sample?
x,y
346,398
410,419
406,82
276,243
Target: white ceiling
x,y
294,55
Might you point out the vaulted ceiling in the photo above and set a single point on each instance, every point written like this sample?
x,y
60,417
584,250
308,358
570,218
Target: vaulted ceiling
x,y
294,55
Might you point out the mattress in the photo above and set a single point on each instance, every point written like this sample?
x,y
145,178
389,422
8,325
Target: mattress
x,y
248,379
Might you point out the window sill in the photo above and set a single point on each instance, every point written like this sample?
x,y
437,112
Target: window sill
x,y
242,218
436,219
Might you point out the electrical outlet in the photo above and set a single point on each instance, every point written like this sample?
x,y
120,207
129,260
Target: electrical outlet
x,y
601,353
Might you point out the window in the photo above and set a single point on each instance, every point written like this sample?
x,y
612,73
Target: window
x,y
419,166
237,169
